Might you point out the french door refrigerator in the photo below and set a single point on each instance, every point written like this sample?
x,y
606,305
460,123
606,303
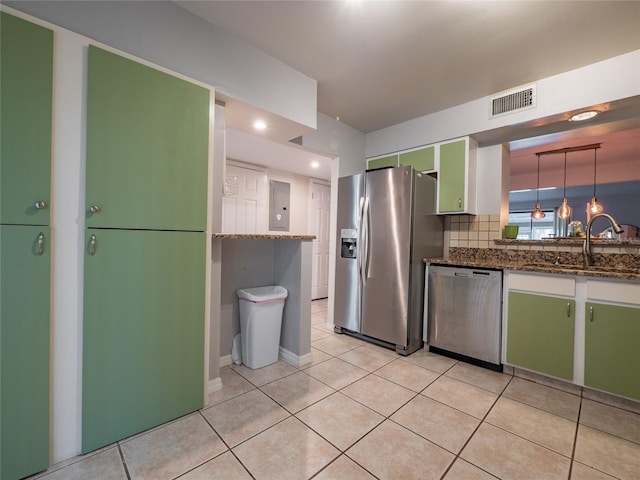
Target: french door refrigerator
x,y
386,226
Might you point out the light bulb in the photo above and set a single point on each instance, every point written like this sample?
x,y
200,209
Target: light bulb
x,y
537,214
594,206
564,211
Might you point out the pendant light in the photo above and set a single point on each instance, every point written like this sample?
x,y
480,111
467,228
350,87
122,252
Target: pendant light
x,y
594,206
537,214
564,211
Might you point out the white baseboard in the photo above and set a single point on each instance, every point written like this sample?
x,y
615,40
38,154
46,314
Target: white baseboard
x,y
214,385
286,355
293,359
225,361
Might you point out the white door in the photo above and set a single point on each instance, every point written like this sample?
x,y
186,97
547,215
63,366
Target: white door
x,y
244,204
319,226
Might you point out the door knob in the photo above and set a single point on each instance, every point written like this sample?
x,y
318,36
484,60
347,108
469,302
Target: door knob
x,y
94,209
40,204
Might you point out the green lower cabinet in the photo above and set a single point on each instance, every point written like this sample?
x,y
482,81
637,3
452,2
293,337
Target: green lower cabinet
x,y
143,335
421,160
451,177
24,354
540,332
383,162
612,349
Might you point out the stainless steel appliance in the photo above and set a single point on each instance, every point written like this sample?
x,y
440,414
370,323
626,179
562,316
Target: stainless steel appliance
x,y
386,226
464,313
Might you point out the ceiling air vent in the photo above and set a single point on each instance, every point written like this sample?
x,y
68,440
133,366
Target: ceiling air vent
x,y
522,98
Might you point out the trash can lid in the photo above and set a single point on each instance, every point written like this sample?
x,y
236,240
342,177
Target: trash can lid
x,y
262,294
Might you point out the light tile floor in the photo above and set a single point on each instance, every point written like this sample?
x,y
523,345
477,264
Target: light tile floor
x,y
360,411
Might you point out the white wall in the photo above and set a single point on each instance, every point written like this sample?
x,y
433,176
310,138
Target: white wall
x,y
348,146
339,140
67,246
492,177
606,81
167,35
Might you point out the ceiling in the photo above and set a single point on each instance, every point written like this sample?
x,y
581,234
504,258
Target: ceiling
x,y
289,158
379,63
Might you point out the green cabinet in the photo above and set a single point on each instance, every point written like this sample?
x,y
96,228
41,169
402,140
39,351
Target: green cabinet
x,y
454,162
383,162
612,349
422,159
145,261
26,76
26,80
540,333
456,177
24,358
147,147
143,337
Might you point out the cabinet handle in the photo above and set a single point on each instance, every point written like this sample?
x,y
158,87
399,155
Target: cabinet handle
x,y
591,313
92,245
568,309
40,244
460,203
95,209
40,204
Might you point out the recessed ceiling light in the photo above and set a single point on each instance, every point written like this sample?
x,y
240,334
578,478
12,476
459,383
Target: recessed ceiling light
x,y
579,117
315,164
259,125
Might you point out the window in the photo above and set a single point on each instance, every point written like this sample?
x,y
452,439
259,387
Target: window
x,y
531,229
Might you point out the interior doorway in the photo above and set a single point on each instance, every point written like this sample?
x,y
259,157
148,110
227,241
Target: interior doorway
x,y
319,214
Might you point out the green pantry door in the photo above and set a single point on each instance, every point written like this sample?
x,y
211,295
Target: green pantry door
x,y
26,68
144,285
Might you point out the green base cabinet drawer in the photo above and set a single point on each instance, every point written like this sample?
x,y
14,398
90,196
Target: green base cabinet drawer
x,y
612,349
540,332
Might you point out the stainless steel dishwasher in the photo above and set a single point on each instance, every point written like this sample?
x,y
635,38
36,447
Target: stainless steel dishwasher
x,y
464,313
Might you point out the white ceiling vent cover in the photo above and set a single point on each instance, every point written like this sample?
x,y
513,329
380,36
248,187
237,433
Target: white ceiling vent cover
x,y
511,101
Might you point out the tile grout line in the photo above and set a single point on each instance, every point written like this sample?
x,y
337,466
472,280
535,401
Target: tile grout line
x,y
124,462
229,449
482,420
575,436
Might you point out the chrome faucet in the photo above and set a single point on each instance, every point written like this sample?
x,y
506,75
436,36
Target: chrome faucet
x,y
586,246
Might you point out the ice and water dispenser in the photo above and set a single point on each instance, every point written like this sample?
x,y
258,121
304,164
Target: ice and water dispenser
x,y
349,243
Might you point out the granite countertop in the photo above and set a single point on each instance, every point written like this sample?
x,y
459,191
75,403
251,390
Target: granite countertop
x,y
262,236
572,241
612,266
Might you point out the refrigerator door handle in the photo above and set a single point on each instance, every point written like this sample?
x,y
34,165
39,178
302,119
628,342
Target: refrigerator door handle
x,y
367,234
360,253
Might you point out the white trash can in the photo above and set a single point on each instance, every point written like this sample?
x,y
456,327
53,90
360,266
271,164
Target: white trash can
x,y
260,323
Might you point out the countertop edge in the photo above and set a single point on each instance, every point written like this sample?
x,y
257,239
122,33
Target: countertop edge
x,y
536,269
261,236
570,241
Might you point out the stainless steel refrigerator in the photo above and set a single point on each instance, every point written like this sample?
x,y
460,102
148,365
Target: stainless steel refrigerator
x,y
386,226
